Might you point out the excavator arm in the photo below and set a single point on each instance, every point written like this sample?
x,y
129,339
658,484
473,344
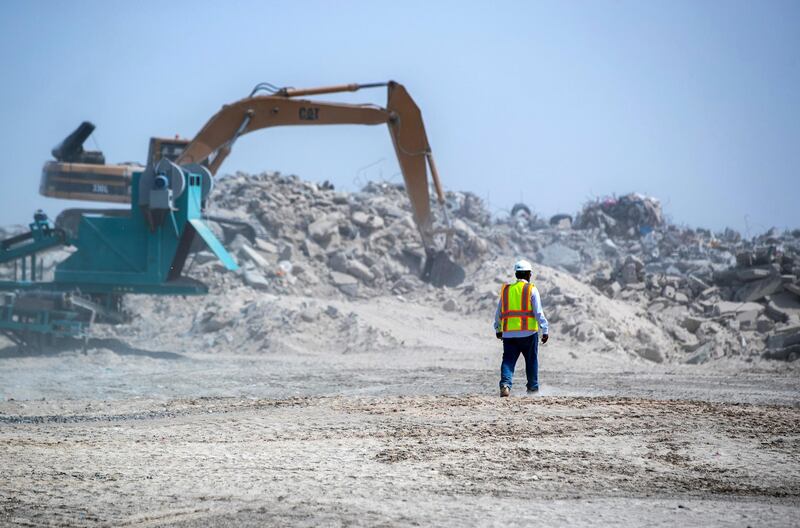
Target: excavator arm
x,y
284,108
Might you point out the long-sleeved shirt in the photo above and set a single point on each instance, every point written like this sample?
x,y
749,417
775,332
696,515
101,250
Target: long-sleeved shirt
x,y
536,303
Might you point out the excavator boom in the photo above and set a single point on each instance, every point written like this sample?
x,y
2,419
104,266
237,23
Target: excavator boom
x,y
282,108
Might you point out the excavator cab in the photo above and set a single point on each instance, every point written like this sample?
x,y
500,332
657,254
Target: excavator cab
x,y
168,148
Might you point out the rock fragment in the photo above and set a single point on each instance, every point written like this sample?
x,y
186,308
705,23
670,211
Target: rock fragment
x,y
324,229
759,289
345,282
255,279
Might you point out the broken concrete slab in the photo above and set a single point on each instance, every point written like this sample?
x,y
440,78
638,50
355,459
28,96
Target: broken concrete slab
x,y
692,324
683,336
610,247
650,353
312,250
248,253
266,246
255,279
788,353
784,337
347,284
787,301
774,312
764,324
337,261
696,283
701,354
724,308
725,277
367,221
708,292
747,320
359,270
631,271
791,329
783,307
751,274
324,229
793,288
756,290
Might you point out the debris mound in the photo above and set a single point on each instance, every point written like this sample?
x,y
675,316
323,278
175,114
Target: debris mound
x,y
631,215
672,293
618,276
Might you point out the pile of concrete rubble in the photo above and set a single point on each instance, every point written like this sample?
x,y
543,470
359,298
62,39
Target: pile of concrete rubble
x,y
628,216
619,277
713,295
712,286
299,235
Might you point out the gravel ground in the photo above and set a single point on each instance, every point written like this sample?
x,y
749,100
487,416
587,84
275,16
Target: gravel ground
x,y
306,434
400,460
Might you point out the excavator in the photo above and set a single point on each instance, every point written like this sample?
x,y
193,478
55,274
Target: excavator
x,y
92,180
143,250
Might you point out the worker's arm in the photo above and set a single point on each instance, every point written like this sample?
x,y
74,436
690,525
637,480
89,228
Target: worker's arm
x,y
538,312
498,331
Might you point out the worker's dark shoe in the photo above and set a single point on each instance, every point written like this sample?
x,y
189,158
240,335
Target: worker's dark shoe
x,y
504,391
533,391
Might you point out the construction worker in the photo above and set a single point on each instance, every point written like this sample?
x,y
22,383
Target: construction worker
x,y
518,322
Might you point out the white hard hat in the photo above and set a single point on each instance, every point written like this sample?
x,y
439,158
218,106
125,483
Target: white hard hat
x,y
523,265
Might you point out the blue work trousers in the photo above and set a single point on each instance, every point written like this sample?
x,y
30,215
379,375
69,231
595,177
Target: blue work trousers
x,y
512,348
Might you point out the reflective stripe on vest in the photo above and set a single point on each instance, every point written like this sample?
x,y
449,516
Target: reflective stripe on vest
x,y
516,311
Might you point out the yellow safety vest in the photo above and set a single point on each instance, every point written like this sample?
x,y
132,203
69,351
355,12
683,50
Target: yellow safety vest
x,y
516,312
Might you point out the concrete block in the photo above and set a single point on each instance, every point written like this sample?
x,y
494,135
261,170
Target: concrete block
x,y
751,274
692,324
702,354
346,283
792,288
753,291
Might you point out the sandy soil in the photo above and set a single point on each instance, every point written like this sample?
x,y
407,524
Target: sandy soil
x,y
310,432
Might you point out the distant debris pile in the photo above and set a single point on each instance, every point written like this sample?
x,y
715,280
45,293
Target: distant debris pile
x,y
732,295
631,216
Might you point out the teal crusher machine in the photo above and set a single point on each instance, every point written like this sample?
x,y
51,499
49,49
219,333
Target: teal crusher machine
x,y
143,250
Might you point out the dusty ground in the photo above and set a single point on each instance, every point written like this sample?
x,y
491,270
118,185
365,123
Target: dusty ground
x,y
302,432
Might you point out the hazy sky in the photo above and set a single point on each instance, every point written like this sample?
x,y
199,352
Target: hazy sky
x,y
551,103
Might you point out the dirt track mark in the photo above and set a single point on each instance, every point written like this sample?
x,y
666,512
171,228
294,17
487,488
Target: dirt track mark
x,y
215,454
